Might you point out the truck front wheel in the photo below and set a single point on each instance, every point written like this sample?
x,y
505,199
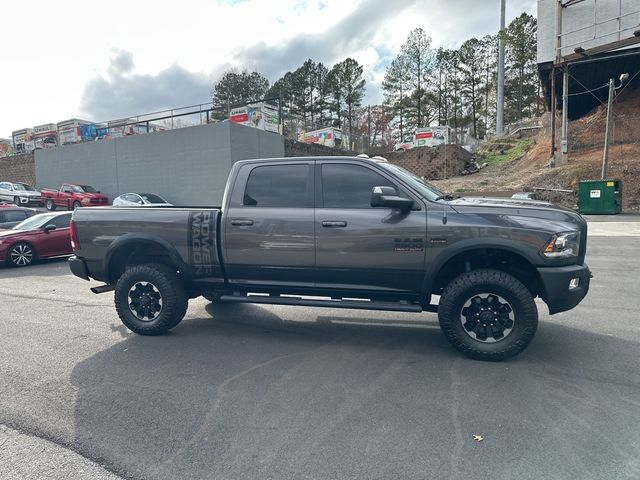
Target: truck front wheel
x,y
488,315
150,299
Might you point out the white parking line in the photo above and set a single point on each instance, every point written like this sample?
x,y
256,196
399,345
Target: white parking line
x,y
614,229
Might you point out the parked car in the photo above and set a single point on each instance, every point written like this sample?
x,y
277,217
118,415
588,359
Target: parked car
x,y
72,196
524,196
21,194
10,215
138,199
342,232
40,236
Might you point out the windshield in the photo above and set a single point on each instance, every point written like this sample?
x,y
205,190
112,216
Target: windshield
x,y
427,190
84,189
152,198
34,222
23,187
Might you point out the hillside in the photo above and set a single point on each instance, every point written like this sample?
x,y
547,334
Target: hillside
x,y
524,163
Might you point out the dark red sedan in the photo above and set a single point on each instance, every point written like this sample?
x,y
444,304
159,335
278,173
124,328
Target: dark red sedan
x,y
41,236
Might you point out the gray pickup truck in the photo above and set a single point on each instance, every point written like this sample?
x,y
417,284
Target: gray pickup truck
x,y
341,232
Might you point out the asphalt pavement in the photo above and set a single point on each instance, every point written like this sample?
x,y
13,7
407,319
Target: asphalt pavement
x,y
256,392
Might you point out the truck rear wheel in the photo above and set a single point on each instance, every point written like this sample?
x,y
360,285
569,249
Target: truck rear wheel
x,y
150,299
50,205
488,315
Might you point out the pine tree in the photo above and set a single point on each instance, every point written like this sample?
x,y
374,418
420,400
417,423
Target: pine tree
x,y
420,59
236,88
521,56
396,88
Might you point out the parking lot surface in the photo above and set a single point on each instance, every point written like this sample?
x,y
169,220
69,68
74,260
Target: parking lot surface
x,y
242,391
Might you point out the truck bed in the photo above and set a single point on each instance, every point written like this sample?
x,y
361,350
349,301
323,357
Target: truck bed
x,y
189,233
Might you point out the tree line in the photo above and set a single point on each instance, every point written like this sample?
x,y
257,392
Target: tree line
x,y
422,86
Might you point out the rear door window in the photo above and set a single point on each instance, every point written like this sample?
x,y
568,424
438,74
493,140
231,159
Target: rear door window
x,y
14,216
283,186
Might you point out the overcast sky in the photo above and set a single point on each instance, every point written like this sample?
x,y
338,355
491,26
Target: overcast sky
x,y
106,60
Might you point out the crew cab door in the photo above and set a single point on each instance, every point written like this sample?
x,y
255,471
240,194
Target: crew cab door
x,y
269,225
359,247
64,196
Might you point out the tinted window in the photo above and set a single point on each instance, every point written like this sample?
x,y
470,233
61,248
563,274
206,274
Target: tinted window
x,y
61,221
349,186
130,197
151,198
278,186
14,216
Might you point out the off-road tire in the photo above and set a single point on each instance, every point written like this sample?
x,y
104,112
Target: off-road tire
x,y
167,282
50,205
495,282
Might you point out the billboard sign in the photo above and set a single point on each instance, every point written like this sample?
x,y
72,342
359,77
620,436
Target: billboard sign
x,y
45,136
69,131
23,141
258,115
6,148
329,137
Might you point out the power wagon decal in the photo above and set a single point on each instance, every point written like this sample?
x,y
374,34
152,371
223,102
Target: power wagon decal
x,y
202,242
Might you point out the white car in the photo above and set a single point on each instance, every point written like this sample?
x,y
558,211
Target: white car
x,y
139,199
21,194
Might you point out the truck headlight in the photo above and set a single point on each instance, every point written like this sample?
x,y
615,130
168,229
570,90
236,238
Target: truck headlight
x,y
563,245
85,200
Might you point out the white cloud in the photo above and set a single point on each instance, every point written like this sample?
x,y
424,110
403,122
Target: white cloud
x,y
124,57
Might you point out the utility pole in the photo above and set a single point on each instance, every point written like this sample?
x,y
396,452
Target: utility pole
x,y
500,112
605,157
564,144
369,129
554,101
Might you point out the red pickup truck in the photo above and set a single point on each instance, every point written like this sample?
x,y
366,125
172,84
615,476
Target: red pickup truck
x,y
72,196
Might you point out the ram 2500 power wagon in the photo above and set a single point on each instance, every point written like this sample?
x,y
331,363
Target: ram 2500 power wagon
x,y
341,232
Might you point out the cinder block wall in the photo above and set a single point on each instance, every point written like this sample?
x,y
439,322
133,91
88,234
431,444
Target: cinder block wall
x,y
187,166
19,168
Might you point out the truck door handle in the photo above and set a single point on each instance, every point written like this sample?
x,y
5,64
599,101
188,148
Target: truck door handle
x,y
241,222
334,223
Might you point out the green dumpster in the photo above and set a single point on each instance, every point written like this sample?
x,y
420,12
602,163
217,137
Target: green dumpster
x,y
600,196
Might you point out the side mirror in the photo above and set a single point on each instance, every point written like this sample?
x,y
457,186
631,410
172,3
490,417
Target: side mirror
x,y
49,228
388,197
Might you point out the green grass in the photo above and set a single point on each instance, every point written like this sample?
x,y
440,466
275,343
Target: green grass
x,y
510,153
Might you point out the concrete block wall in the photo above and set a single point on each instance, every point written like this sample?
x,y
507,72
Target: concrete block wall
x,y
187,166
299,149
18,168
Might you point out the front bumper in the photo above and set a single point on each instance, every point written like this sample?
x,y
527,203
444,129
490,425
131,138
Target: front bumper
x,y
557,293
79,267
28,201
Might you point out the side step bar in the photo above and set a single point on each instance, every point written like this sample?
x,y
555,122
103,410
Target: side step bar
x,y
304,302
